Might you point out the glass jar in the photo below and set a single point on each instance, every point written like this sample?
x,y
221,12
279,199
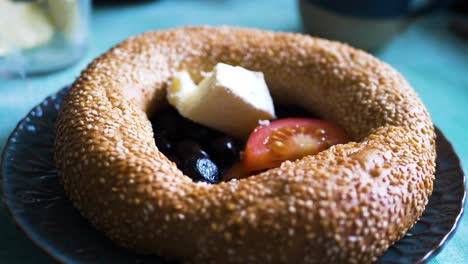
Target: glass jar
x,y
40,36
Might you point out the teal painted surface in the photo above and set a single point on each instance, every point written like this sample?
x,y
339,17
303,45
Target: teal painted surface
x,y
433,60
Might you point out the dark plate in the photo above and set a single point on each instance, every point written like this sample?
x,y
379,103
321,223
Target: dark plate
x,y
33,194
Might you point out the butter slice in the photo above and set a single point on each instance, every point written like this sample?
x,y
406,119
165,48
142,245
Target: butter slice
x,y
229,99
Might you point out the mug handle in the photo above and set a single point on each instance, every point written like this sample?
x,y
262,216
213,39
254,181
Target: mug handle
x,y
429,7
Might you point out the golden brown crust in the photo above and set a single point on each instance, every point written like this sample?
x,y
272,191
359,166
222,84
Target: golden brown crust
x,y
346,204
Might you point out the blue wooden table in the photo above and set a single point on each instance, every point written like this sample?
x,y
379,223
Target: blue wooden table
x,y
433,60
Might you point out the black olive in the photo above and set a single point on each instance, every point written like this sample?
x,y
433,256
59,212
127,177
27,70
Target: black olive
x,y
224,151
167,123
176,160
188,148
197,132
164,145
201,169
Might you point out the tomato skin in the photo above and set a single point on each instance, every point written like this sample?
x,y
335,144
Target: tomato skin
x,y
263,152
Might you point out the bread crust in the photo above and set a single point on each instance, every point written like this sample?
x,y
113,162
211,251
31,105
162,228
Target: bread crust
x,y
347,204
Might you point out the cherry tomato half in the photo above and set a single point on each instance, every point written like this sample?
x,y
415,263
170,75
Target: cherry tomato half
x,y
289,139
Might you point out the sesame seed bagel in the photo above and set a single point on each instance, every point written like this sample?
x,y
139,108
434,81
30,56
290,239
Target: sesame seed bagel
x,y
346,204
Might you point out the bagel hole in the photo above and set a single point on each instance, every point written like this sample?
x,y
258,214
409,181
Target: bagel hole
x,y
193,147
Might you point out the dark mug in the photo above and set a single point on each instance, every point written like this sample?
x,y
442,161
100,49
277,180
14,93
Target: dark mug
x,y
366,24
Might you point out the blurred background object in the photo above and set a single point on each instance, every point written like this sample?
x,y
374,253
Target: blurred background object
x,y
460,6
459,25
119,2
40,36
366,24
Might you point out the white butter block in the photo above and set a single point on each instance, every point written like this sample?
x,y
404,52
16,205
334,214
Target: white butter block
x,y
229,99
